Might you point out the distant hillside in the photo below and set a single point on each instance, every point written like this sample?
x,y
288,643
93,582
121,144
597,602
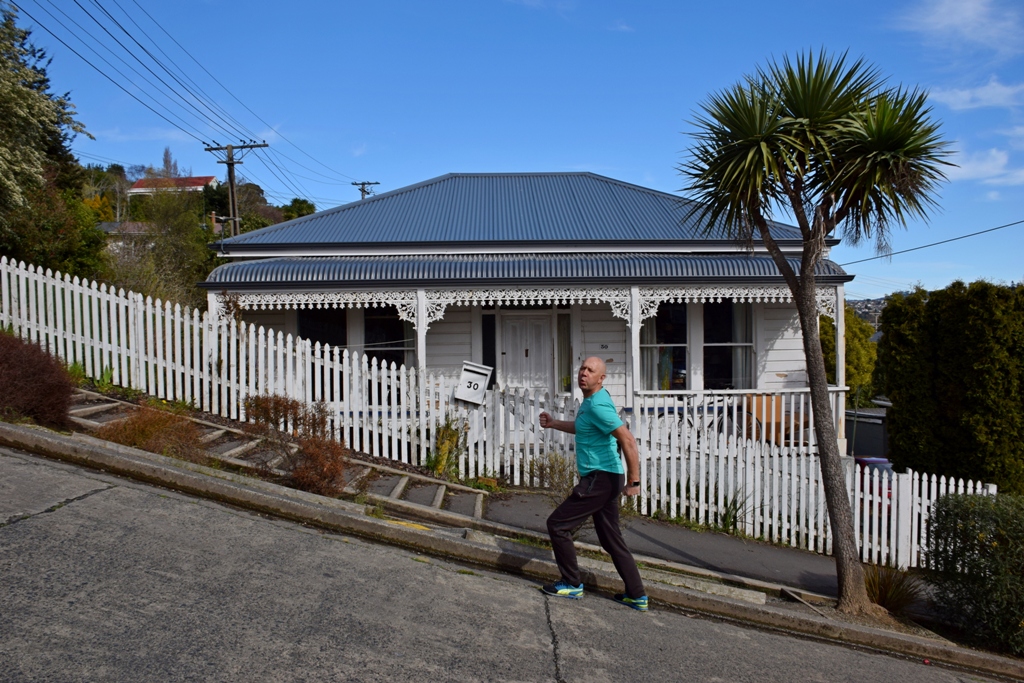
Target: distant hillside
x,y
868,309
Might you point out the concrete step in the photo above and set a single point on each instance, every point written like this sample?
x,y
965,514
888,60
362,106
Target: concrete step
x,y
94,409
213,436
396,492
439,496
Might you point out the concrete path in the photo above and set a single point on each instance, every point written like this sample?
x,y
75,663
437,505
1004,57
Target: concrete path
x,y
104,578
718,552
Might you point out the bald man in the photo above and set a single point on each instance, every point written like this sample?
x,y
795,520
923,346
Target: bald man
x,y
599,435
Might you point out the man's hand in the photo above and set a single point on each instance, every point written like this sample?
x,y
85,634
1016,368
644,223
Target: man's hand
x,y
631,491
548,422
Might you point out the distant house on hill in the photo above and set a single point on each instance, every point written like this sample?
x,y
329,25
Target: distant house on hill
x,y
119,232
151,186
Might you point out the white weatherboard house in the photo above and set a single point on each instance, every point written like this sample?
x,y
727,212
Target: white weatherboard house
x,y
530,273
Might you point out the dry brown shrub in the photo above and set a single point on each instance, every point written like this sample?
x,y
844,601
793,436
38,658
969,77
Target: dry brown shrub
x,y
272,411
319,466
33,383
158,431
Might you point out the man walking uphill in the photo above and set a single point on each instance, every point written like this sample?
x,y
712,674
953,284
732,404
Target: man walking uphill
x,y
598,431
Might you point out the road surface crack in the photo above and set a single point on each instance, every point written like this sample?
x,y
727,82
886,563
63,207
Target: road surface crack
x,y
53,508
554,641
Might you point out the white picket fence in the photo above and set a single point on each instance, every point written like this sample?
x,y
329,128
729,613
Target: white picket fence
x,y
748,461
740,459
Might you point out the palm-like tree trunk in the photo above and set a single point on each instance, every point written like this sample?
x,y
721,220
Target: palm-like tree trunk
x,y
853,596
849,573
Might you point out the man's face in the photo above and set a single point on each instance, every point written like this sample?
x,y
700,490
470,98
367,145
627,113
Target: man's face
x,y
591,376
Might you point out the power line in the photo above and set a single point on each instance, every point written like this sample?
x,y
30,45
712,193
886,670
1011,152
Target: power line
x,y
260,119
102,73
114,68
209,100
230,127
183,93
933,244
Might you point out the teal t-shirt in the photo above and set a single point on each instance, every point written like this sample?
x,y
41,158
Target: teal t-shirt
x,y
596,448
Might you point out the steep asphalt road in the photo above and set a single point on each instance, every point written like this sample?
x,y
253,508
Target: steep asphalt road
x,y
107,579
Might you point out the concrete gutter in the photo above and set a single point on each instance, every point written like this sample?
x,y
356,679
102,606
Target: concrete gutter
x,y
473,545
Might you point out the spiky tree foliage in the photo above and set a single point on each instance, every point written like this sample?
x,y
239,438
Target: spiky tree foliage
x,y
828,142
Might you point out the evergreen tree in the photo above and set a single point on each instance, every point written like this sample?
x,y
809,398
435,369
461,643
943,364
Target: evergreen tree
x,y
42,218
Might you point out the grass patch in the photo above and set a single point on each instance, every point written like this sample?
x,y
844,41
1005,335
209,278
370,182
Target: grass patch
x,y
894,589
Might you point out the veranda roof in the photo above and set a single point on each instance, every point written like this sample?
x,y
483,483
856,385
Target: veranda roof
x,y
457,270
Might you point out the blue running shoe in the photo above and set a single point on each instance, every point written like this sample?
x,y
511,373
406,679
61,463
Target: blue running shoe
x,y
636,603
561,589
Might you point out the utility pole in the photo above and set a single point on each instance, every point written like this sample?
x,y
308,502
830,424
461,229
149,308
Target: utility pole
x,y
230,160
364,188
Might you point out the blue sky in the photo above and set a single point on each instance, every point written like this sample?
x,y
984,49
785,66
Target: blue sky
x,y
405,90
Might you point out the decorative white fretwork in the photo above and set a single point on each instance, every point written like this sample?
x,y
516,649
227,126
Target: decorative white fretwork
x,y
404,301
438,301
652,297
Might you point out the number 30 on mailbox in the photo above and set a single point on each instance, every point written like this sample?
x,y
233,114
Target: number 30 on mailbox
x,y
473,382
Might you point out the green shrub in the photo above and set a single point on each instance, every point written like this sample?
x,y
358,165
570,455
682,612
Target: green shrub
x,y
33,384
449,447
976,561
76,373
952,363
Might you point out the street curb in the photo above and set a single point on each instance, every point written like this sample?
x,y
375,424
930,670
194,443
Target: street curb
x,y
500,553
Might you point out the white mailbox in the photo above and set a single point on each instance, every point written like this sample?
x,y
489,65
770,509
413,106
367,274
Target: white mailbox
x,y
473,382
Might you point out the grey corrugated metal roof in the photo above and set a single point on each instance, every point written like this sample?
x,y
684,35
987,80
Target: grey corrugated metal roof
x,y
466,269
495,208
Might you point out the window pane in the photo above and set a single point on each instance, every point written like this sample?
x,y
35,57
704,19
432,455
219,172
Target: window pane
x,y
726,322
728,367
564,354
324,325
489,347
671,324
387,337
384,328
663,368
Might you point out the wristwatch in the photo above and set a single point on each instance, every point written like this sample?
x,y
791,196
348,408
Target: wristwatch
x,y
634,483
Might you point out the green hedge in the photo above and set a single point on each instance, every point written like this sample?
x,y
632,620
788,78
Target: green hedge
x,y
952,363
976,557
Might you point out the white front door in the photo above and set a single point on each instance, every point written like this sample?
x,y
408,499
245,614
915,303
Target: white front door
x,y
527,352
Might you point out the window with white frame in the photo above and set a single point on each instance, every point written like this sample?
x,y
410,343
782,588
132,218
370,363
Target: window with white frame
x,y
663,349
728,345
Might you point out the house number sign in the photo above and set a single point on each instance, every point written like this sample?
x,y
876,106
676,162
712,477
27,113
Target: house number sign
x,y
473,382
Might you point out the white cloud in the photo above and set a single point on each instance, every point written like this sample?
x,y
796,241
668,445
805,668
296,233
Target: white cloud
x,y
991,167
993,24
142,135
979,165
992,196
622,26
1013,176
992,94
359,151
1016,136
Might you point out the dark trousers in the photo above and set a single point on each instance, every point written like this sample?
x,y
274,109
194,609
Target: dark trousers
x,y
597,494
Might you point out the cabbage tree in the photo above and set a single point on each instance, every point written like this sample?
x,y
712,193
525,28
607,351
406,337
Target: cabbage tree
x,y
828,144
